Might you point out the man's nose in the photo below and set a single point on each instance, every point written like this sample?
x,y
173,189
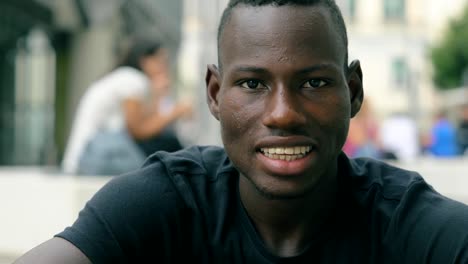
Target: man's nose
x,y
283,110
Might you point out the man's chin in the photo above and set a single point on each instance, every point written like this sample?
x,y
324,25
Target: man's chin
x,y
282,194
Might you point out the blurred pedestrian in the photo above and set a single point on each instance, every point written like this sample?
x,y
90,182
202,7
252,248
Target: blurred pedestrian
x,y
120,108
443,137
399,138
462,131
363,138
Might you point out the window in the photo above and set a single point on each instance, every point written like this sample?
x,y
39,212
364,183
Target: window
x,y
399,71
394,10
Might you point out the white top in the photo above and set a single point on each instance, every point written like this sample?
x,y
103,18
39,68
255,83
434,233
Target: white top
x,y
100,109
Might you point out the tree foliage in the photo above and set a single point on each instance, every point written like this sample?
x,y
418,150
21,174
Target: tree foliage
x,y
450,56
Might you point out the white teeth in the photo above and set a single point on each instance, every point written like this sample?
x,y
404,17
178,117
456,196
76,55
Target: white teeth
x,y
297,150
287,150
284,157
287,153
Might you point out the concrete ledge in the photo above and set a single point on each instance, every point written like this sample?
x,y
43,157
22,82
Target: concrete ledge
x,y
36,204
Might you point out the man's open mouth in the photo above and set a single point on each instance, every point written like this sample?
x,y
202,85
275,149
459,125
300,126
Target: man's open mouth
x,y
287,153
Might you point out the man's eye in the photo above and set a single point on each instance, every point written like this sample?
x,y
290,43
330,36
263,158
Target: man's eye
x,y
315,83
251,84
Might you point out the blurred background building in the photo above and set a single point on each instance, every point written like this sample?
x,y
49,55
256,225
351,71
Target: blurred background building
x,y
393,41
51,50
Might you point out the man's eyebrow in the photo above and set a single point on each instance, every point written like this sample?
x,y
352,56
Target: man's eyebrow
x,y
319,67
313,68
246,68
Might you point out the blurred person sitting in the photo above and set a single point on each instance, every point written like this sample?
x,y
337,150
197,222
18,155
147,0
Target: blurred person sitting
x,y
161,103
443,137
113,114
462,131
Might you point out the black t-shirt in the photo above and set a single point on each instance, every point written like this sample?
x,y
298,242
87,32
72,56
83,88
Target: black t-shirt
x,y
184,207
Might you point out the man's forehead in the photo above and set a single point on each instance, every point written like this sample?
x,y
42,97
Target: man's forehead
x,y
264,30
260,16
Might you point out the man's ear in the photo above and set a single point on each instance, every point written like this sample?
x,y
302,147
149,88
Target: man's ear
x,y
213,85
355,86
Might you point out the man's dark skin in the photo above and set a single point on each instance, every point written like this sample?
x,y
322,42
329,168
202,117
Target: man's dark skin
x,y
282,82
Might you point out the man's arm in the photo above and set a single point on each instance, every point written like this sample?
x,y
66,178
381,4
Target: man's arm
x,y
143,126
54,251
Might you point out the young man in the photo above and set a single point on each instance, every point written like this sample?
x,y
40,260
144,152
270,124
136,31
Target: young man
x,y
281,191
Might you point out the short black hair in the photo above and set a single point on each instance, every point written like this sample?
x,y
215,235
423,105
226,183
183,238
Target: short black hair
x,y
329,4
140,47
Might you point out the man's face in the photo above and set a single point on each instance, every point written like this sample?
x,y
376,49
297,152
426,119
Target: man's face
x,y
282,98
155,66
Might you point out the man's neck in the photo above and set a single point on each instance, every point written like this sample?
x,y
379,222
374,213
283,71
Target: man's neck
x,y
288,226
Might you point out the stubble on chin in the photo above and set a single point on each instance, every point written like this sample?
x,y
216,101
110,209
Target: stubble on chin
x,y
270,193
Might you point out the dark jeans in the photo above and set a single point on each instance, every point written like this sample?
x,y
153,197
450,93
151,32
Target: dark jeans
x,y
166,141
110,153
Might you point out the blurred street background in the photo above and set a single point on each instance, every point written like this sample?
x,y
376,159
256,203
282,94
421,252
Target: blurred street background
x,y
413,55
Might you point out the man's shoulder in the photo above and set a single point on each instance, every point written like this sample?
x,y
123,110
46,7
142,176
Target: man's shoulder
x,y
191,160
166,181
406,214
173,169
181,170
379,189
390,181
409,218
